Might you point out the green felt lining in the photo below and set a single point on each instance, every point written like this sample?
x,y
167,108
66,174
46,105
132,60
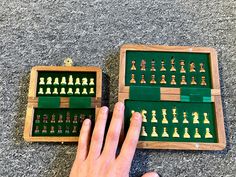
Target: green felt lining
x,y
195,94
80,102
49,102
144,93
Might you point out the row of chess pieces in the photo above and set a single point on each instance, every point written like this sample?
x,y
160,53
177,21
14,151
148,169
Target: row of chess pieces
x,y
49,81
165,134
194,118
63,91
52,130
172,82
192,67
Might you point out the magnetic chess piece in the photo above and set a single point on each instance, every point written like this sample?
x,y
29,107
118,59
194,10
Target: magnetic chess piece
x,y
165,134
202,70
163,66
44,129
172,64
75,120
193,82
143,65
82,118
59,129
192,67
49,81
208,134
205,121
41,81
183,81
186,134
173,82
36,129
55,91
132,81
70,91
56,81
40,91
74,129
143,132
63,81
52,129
175,134
63,91
67,129
84,92
154,133
163,79
91,81
45,118
153,65
84,81
53,118
182,70
154,119
203,82
153,81
71,82
175,120
143,113
60,119
91,91
77,91
68,117
48,91
37,120
185,121
77,81
195,118
164,120
133,67
142,79
197,135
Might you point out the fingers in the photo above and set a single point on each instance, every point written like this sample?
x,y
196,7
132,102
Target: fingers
x,y
114,130
150,174
98,133
131,140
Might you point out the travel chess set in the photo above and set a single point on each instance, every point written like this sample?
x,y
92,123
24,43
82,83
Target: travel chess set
x,y
177,91
59,99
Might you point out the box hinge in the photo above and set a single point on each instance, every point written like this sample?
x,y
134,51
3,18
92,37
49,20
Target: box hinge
x,y
195,95
80,102
144,93
48,102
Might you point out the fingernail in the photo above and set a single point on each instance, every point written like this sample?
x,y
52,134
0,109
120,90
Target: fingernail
x,y
104,109
87,122
119,106
137,116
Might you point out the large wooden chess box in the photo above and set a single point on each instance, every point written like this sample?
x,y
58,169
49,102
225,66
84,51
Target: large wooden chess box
x,y
177,91
59,99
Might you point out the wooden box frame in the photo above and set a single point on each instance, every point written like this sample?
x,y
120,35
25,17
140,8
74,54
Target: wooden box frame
x,y
64,101
173,94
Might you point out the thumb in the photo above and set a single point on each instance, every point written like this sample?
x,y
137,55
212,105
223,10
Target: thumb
x,y
150,174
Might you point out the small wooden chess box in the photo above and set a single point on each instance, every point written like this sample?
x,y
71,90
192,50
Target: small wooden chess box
x,y
59,99
177,91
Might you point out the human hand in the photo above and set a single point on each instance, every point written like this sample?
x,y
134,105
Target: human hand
x,y
91,162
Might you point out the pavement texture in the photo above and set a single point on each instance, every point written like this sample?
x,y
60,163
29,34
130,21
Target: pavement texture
x,y
41,32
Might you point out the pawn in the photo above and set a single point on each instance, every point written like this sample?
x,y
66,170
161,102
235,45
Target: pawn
x,y
48,91
70,80
70,91
172,65
74,129
202,70
185,121
63,81
175,134
37,119
192,67
49,81
52,129
91,81
186,134
143,80
77,81
41,82
163,81
165,134
143,132
153,81
203,82
133,65
163,66
77,92
132,81
193,82
84,81
75,120
60,119
59,129
56,81
44,129
153,65
40,91
36,129
154,133
63,91
143,65
55,91
206,121
197,135
91,91
143,113
84,91
182,70
173,82
175,120
154,119
195,118
208,134
183,81
53,118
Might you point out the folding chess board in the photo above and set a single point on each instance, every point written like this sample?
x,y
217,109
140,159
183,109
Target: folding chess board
x,y
177,91
59,99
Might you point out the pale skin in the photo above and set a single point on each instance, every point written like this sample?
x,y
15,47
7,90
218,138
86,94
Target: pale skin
x,y
93,160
